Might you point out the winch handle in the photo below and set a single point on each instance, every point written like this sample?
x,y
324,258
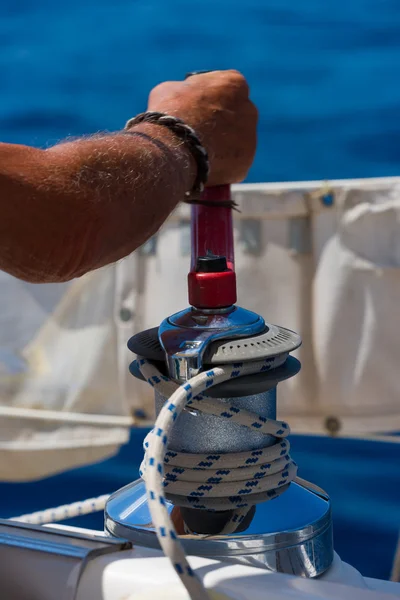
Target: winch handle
x,y
212,280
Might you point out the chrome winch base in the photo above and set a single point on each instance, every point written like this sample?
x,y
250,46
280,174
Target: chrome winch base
x,y
290,534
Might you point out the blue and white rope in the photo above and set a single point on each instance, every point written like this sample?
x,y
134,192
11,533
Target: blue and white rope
x,y
214,481
203,481
64,512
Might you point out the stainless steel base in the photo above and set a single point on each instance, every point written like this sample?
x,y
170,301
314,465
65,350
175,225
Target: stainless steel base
x,y
291,534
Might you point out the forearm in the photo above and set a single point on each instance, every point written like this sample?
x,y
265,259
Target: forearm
x,y
83,204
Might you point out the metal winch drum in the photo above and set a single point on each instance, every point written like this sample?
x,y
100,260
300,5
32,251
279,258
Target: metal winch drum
x,y
290,534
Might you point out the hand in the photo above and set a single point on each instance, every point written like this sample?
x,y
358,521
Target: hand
x,y
218,107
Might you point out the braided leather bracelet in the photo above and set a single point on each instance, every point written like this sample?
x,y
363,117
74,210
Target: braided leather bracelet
x,y
189,137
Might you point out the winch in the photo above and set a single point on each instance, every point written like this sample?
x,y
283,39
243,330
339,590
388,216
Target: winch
x,y
227,482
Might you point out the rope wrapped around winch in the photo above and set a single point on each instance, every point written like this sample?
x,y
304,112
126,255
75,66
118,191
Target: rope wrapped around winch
x,y
211,482
214,482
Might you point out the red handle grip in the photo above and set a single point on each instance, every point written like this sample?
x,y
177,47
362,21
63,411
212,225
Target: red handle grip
x,y
212,234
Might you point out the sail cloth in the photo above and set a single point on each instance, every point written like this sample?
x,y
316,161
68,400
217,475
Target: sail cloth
x,y
63,403
321,259
333,275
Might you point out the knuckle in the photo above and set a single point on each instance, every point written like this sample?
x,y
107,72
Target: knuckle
x,y
162,88
157,88
231,78
238,78
236,74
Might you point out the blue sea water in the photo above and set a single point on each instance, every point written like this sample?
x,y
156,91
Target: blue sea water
x,y
325,77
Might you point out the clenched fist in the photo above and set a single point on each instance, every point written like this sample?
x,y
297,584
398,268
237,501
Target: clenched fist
x,y
218,107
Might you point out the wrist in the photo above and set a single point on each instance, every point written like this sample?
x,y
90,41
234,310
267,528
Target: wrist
x,y
166,141
185,134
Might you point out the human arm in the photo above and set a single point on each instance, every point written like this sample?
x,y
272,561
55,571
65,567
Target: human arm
x,y
86,203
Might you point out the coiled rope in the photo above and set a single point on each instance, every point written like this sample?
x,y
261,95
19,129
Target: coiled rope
x,y
213,482
203,481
